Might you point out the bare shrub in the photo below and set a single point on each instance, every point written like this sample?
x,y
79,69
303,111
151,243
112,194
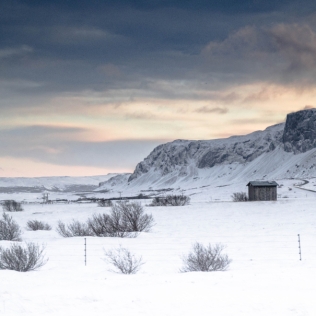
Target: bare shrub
x,y
125,220
100,225
209,258
12,206
9,229
105,203
74,229
22,259
37,225
123,260
130,217
240,197
171,200
104,225
118,223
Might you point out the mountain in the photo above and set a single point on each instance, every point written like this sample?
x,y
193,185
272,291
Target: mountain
x,y
52,184
286,150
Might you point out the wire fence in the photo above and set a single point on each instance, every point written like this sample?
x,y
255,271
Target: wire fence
x,y
159,249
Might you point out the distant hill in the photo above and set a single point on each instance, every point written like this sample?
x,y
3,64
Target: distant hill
x,y
286,150
52,184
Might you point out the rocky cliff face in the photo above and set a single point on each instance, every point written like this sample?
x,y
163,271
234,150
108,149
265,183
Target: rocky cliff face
x,y
182,155
297,135
300,131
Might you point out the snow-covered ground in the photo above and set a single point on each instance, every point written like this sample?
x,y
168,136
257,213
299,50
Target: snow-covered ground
x,y
265,277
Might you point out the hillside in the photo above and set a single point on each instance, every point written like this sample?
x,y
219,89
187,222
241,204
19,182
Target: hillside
x,y
285,150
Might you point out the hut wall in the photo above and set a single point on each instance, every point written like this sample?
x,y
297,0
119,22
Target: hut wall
x,y
262,193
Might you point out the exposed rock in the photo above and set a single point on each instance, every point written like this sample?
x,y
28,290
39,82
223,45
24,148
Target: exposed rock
x,y
300,131
114,181
181,155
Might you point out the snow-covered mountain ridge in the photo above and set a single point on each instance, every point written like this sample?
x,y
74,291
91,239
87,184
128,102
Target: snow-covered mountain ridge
x,y
281,151
53,184
181,154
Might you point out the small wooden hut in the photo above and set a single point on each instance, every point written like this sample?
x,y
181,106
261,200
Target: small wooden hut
x,y
262,190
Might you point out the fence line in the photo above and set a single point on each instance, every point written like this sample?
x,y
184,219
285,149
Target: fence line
x,y
289,249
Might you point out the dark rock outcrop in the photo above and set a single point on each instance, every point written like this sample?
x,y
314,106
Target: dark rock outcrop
x,y
300,131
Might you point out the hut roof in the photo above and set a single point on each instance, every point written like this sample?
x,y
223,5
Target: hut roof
x,y
262,184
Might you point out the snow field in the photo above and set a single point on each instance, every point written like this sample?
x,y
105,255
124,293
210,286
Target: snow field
x,y
264,278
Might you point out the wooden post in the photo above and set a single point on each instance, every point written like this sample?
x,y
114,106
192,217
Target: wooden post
x,y
85,251
299,247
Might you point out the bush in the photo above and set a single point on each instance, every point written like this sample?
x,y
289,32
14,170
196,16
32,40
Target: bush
x,y
105,203
141,196
22,259
12,206
240,197
9,229
100,225
123,260
37,225
125,220
170,200
73,229
104,225
130,217
206,259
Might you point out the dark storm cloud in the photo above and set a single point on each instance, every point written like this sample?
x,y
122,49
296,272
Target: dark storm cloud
x,y
60,146
49,47
297,43
64,44
213,5
283,53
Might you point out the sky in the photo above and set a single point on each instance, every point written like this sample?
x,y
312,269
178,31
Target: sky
x,y
92,87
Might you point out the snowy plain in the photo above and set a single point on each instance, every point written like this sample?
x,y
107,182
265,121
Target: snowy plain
x,y
265,278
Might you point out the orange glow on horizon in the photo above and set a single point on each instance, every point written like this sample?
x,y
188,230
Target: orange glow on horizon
x,y
13,167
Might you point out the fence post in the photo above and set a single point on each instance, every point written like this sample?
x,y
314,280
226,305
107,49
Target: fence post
x,y
299,246
85,251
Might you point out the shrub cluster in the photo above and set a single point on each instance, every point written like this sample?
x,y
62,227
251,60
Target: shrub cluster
x,y
170,200
209,258
73,229
105,203
125,220
12,206
240,197
123,260
9,229
22,259
37,225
